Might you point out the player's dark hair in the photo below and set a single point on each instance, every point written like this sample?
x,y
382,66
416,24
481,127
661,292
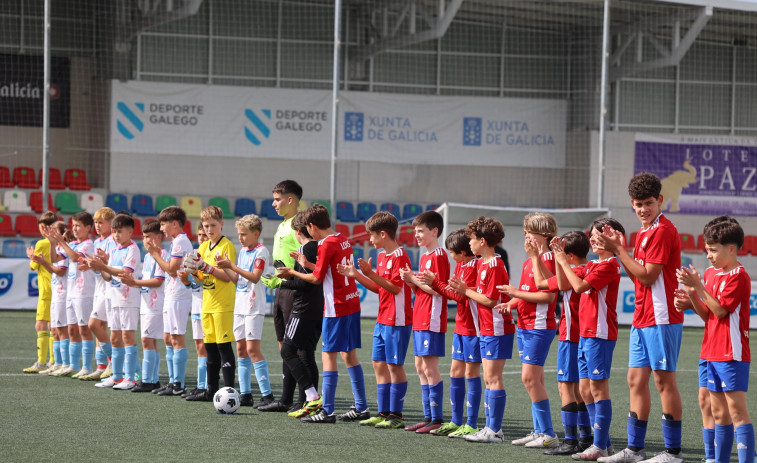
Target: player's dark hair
x,y
61,226
298,223
487,228
458,242
644,185
599,224
724,230
317,215
84,218
172,213
47,218
576,243
122,220
288,187
431,219
152,226
383,221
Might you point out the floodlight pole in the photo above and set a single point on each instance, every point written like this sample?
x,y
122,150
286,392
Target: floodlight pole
x,y
46,109
334,105
603,104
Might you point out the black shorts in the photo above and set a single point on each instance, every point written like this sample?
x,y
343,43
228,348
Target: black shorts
x,y
282,309
303,333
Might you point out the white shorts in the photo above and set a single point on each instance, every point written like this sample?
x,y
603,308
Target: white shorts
x,y
111,315
125,319
248,327
151,325
70,313
175,316
100,308
58,318
197,332
82,309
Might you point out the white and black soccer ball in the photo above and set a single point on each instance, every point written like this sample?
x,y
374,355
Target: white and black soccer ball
x,y
226,400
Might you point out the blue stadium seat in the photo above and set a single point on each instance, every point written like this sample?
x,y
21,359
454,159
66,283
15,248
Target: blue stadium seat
x,y
411,210
373,255
345,211
142,205
358,253
392,208
414,256
268,211
432,207
117,202
14,248
244,206
142,249
365,211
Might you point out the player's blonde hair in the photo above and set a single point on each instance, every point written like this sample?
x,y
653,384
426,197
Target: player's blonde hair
x,y
104,213
211,212
250,222
541,223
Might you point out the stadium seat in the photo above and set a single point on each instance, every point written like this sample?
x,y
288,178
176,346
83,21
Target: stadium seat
x,y
357,253
35,201
137,233
189,231
142,205
142,250
24,177
76,179
373,256
268,211
407,236
413,255
117,202
244,206
324,203
5,178
91,202
54,181
392,208
750,244
411,210
343,230
26,225
432,207
162,202
224,205
345,211
14,249
365,211
688,243
6,226
192,205
67,203
15,201
359,235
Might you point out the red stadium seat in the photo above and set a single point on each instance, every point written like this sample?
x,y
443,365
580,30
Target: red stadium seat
x,y
407,236
24,177
688,243
342,229
76,179
6,226
189,231
35,201
26,225
137,233
54,181
5,178
359,235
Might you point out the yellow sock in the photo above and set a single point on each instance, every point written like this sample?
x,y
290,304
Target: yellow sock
x,y
52,352
43,345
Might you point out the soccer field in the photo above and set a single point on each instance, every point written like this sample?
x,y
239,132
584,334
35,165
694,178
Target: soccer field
x,y
69,420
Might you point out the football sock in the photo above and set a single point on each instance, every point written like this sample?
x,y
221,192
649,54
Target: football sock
x,y
43,344
308,358
228,362
474,401
108,349
169,363
745,442
74,351
148,359
50,341
397,397
436,400
56,353
213,366
262,375
130,361
311,394
64,357
544,417
457,398
383,392
486,405
155,373
637,432
535,418
708,437
424,398
497,400
330,381
358,387
723,442
245,375
87,353
591,409
202,372
118,363
584,423
569,415
180,365
602,420
100,357
671,433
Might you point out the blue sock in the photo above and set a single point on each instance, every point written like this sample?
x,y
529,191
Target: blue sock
x,y
155,373
602,420
584,422
671,433
474,401
169,363
383,396
358,387
535,418
118,362
108,350
544,417
180,365
100,357
637,432
148,359
262,375
64,357
56,352
486,406
708,437
87,353
745,442
570,424
457,398
723,442
74,351
424,398
497,400
436,400
330,381
245,375
130,361
202,372
397,397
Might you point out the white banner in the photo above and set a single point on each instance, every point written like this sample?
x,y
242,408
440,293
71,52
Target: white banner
x,y
18,284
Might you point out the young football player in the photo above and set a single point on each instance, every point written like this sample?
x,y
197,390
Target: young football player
x,y
194,282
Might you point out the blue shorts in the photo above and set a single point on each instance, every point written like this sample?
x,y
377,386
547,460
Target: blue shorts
x,y
533,345
466,348
655,346
595,358
702,373
390,343
341,334
497,347
567,361
427,343
728,376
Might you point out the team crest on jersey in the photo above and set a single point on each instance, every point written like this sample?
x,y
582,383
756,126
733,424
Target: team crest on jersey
x,y
644,241
389,265
722,285
428,264
483,274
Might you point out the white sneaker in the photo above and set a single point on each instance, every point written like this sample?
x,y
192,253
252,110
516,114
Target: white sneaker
x,y
590,454
544,441
125,385
624,456
525,440
52,369
108,382
64,371
666,457
82,372
486,435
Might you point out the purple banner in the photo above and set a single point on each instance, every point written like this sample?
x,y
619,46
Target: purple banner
x,y
703,178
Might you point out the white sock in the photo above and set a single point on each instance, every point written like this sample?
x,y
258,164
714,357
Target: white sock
x,y
311,394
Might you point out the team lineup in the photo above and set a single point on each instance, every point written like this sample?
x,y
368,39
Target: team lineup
x,y
86,288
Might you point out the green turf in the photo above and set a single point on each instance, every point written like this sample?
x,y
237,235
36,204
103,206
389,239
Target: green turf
x,y
70,420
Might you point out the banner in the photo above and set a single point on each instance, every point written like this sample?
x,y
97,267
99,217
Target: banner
x,y
22,87
708,175
18,284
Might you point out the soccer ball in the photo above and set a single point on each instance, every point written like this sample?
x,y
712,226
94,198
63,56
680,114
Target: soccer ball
x,y
226,400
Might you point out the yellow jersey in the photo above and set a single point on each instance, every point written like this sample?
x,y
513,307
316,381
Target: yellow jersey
x,y
217,296
43,275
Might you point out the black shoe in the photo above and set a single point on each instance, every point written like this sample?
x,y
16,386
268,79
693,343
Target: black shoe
x,y
245,400
295,407
178,389
585,442
145,387
264,401
320,417
168,390
202,395
354,415
275,406
188,393
160,389
567,447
